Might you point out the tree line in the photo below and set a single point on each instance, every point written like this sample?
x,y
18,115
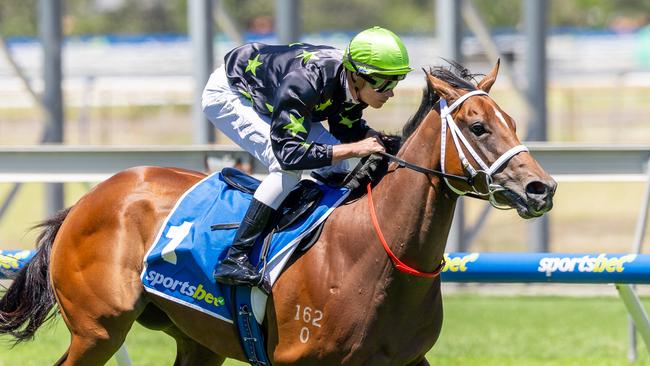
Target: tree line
x,y
89,17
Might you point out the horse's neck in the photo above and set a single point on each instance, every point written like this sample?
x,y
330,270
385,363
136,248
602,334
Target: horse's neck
x,y
415,210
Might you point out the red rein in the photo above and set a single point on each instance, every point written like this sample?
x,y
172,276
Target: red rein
x,y
401,266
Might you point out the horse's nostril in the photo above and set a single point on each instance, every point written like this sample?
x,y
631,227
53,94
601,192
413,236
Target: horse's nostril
x,y
536,188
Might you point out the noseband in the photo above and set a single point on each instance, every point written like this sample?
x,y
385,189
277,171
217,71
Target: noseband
x,y
480,180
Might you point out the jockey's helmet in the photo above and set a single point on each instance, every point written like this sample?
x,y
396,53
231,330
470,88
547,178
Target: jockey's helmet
x,y
377,52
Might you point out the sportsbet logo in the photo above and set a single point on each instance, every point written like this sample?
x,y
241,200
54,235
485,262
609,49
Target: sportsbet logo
x,y
196,292
459,264
587,263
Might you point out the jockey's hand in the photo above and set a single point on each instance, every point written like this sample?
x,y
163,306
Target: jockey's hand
x,y
357,149
368,146
391,143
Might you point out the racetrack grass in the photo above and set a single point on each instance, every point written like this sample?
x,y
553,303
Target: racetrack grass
x,y
534,330
478,330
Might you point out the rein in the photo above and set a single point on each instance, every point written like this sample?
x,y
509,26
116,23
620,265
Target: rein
x,y
401,266
401,163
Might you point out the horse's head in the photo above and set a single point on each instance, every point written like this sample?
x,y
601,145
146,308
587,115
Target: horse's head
x,y
480,142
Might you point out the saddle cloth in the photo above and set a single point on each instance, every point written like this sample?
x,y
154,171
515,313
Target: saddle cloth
x,y
180,263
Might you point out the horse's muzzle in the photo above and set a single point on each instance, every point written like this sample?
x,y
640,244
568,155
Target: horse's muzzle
x,y
532,199
539,196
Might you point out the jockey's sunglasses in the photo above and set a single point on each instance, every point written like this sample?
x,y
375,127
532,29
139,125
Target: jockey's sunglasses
x,y
382,83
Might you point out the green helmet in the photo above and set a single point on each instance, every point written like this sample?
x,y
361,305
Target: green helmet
x,y
377,51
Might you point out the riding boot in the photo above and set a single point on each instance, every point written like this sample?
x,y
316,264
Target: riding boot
x,y
236,268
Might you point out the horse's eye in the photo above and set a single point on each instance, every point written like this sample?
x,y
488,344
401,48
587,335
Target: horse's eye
x,y
477,129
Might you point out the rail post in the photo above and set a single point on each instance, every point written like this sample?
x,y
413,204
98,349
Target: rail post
x,y
628,291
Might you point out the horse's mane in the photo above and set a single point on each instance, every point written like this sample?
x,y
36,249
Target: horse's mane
x,y
456,75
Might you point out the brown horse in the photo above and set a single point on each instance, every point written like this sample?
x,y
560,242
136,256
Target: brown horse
x,y
341,303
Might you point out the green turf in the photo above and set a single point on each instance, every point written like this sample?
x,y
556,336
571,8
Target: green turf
x,y
534,331
478,330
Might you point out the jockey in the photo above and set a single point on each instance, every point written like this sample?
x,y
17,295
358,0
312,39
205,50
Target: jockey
x,y
271,100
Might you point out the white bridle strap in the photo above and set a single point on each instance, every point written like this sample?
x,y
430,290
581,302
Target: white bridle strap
x,y
445,114
457,134
463,97
505,157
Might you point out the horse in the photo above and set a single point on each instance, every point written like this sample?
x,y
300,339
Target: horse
x,y
344,301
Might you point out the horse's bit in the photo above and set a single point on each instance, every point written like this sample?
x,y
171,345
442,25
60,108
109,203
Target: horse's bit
x,y
479,180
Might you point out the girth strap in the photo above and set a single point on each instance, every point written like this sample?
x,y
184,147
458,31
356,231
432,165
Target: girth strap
x,y
249,330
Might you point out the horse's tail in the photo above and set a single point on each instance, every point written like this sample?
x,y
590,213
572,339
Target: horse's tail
x,y
27,303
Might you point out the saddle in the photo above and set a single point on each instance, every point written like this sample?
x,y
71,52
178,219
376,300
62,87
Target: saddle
x,y
300,203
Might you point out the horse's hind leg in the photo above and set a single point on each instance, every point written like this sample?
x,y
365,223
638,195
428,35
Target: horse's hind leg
x,y
98,303
94,341
88,351
98,308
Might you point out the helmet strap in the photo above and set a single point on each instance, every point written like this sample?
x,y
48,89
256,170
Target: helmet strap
x,y
352,81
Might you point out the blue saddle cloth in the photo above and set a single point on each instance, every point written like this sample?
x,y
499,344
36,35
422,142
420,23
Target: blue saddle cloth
x,y
179,264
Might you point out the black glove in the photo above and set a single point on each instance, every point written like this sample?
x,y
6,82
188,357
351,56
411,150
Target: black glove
x,y
371,169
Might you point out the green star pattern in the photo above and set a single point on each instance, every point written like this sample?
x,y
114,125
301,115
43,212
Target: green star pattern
x,y
269,107
347,122
322,106
295,126
306,56
253,64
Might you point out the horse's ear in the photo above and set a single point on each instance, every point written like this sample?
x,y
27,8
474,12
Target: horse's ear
x,y
490,78
442,88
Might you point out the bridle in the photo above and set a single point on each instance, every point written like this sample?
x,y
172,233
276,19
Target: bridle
x,y
479,180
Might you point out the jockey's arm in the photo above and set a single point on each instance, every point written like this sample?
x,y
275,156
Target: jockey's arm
x,y
357,149
359,140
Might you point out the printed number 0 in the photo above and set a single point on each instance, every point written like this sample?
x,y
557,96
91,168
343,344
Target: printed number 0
x,y
304,335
